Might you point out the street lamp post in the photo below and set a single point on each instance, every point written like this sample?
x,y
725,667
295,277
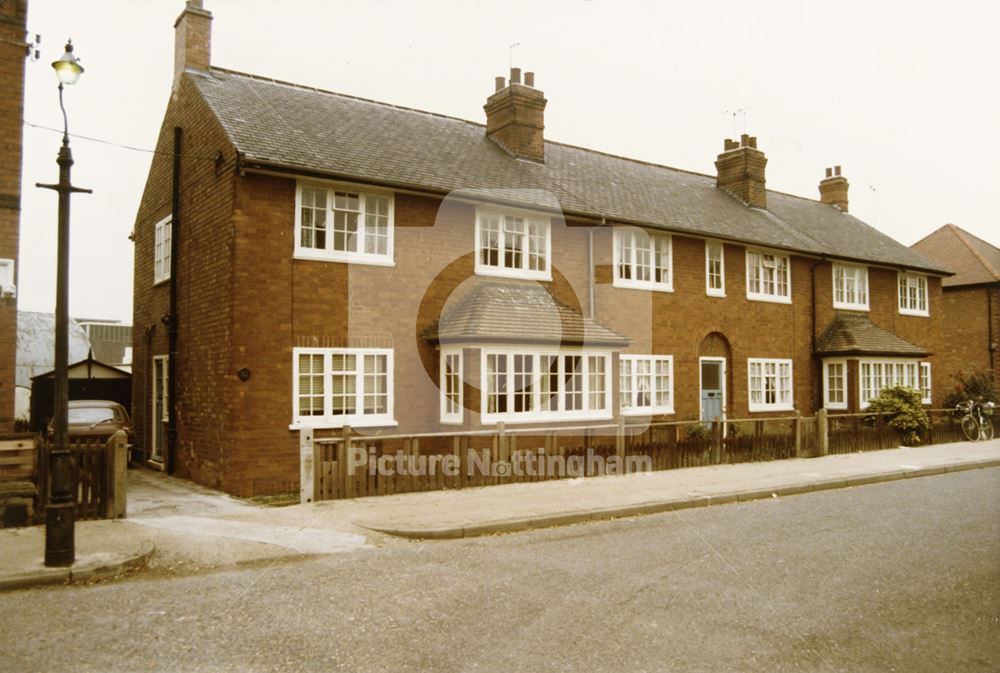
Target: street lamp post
x,y
60,511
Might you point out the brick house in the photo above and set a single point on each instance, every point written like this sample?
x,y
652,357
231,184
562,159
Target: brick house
x,y
970,300
13,51
327,260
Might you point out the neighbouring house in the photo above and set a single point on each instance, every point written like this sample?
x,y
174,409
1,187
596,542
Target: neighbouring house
x,y
970,301
305,258
36,334
13,51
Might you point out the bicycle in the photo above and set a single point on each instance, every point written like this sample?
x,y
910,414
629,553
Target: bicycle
x,y
977,422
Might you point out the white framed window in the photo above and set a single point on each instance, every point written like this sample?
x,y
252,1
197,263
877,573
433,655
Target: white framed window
x,y
875,374
646,384
835,384
333,387
715,269
522,386
850,287
642,260
925,382
7,286
343,224
770,385
452,396
513,245
769,277
913,294
161,250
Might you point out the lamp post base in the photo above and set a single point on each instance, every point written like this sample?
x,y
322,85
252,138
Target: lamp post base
x,y
60,535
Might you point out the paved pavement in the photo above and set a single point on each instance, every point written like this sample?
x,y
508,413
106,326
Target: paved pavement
x,y
193,528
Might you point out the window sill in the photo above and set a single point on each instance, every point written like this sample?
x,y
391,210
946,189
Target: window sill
x,y
451,421
771,407
310,256
488,419
850,307
641,285
161,281
915,314
512,273
715,293
353,422
647,411
771,299
835,407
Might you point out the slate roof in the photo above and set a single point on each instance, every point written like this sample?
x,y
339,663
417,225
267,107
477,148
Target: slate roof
x,y
518,313
856,334
973,260
310,131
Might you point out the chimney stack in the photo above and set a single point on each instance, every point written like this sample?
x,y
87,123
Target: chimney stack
x,y
515,116
740,171
192,39
833,189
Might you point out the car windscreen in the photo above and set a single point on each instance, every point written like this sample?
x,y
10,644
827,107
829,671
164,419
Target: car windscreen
x,y
86,415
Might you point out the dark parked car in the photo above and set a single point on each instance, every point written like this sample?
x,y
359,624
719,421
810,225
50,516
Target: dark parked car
x,y
96,418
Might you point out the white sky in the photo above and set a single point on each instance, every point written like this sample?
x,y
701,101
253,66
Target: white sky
x,y
902,94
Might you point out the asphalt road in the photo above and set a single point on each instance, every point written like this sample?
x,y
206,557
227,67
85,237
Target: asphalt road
x,y
903,576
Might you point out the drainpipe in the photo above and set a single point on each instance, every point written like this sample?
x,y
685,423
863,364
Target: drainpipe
x,y
590,274
175,230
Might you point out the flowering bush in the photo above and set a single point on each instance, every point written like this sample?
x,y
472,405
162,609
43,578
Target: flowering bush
x,y
904,413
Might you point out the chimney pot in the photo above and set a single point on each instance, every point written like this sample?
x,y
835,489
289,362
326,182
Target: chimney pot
x,y
515,75
529,79
729,144
836,170
829,172
753,142
500,83
744,140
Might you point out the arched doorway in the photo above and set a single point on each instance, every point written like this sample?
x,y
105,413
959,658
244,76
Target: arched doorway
x,y
714,357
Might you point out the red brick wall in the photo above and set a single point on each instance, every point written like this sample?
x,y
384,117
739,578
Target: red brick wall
x,y
205,380
13,15
968,312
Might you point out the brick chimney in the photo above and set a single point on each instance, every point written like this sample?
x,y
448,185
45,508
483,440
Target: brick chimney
x,y
515,116
833,189
740,170
192,39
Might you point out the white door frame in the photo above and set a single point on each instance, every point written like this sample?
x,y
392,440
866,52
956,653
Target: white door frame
x,y
722,376
157,414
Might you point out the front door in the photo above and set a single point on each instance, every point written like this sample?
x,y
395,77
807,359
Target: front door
x,y
158,417
712,389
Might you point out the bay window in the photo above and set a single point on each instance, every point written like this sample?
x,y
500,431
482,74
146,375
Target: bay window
x,y
525,385
835,384
878,374
452,396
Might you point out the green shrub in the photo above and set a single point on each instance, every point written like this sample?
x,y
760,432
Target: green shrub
x,y
975,386
904,412
698,431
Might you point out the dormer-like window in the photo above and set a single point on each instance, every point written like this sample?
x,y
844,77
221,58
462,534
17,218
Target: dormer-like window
x,y
343,225
514,245
850,287
913,294
768,277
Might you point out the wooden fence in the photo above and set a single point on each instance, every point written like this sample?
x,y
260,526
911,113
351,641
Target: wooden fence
x,y
351,466
98,469
850,433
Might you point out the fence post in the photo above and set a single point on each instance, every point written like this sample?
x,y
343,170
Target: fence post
x,y
798,433
716,442
118,498
620,439
308,468
822,432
